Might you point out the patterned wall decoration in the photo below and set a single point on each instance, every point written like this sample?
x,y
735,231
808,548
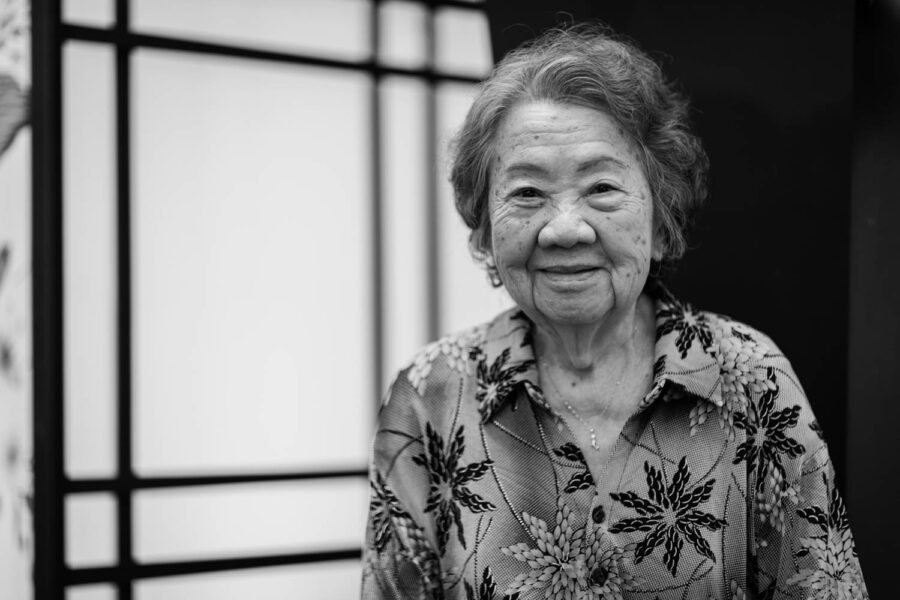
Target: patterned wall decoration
x,y
16,489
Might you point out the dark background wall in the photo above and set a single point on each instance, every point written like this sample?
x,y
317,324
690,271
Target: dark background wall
x,y
874,397
772,85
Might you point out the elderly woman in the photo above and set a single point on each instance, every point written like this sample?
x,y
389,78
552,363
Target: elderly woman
x,y
602,439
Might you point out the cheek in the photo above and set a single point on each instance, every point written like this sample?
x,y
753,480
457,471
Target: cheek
x,y
513,239
633,239
640,240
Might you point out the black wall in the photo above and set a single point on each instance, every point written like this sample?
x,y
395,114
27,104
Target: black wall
x,y
874,396
772,84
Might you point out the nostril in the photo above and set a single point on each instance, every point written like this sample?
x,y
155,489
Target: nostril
x,y
566,231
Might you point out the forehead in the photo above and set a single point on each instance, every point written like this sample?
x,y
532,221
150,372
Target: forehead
x,y
559,131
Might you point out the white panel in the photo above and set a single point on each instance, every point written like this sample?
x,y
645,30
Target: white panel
x,y
97,13
90,530
326,581
404,200
16,374
402,34
336,28
463,42
89,255
467,297
249,519
91,592
251,266
16,320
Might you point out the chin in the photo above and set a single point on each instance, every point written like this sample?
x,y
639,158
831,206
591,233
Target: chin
x,y
576,314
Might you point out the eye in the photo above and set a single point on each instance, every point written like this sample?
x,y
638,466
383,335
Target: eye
x,y
526,196
603,188
526,192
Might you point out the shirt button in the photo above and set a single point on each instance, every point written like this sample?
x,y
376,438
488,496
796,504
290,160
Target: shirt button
x,y
599,576
598,514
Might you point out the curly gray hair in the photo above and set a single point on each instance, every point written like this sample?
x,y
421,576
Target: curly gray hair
x,y
586,65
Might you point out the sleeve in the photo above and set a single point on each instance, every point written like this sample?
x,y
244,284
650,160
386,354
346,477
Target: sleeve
x,y
801,547
399,561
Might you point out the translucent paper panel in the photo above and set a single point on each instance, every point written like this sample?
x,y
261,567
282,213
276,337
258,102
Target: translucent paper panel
x,y
89,255
16,373
335,28
325,581
96,13
91,592
405,195
463,42
247,520
90,530
252,291
467,297
402,35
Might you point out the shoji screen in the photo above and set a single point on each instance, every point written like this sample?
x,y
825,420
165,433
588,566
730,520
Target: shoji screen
x,y
258,233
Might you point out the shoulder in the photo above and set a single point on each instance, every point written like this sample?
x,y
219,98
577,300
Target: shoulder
x,y
450,357
734,366
692,337
749,361
450,354
747,355
684,323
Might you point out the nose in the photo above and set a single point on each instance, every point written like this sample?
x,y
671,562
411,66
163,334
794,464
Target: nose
x,y
566,229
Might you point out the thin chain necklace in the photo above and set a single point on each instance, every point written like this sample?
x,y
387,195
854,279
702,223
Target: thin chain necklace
x,y
593,433
590,429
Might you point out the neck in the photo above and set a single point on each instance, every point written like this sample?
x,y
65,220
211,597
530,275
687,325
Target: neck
x,y
606,348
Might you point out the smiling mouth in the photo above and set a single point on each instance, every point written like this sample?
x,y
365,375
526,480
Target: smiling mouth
x,y
574,270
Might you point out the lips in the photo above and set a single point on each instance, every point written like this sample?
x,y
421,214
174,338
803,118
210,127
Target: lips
x,y
569,278
569,269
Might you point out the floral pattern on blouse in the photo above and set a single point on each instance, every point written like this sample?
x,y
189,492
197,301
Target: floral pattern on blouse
x,y
720,486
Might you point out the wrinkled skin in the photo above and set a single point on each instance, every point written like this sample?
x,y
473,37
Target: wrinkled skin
x,y
572,229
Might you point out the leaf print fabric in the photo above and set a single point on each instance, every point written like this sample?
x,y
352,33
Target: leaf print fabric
x,y
767,441
568,563
670,514
738,358
836,574
719,487
497,380
447,489
690,325
487,590
583,478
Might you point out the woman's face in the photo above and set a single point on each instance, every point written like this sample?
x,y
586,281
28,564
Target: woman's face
x,y
571,214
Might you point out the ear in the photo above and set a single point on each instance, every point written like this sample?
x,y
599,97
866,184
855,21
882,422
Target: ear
x,y
656,252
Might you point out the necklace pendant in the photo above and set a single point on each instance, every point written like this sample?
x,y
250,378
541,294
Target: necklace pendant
x,y
594,443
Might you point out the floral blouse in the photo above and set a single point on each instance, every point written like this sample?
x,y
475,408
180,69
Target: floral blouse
x,y
719,486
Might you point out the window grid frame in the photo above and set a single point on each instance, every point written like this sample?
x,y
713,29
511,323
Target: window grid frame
x,y
52,485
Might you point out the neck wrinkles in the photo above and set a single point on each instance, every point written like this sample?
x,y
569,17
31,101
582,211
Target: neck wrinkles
x,y
601,350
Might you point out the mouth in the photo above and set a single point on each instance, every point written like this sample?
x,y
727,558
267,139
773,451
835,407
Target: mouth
x,y
569,269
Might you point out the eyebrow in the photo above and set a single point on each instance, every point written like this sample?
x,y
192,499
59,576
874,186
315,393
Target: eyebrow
x,y
530,168
600,162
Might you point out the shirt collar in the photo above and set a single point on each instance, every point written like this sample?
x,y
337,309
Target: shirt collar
x,y
683,358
